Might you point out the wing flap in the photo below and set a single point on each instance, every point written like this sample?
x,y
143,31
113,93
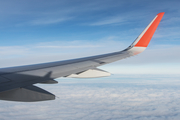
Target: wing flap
x,y
49,82
27,94
91,73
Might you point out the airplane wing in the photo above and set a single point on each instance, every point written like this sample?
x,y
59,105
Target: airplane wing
x,y
17,83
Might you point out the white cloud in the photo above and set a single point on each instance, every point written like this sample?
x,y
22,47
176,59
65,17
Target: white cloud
x,y
119,97
54,51
13,50
76,46
46,21
109,21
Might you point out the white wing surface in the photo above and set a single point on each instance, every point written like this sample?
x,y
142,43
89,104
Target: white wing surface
x,y
16,83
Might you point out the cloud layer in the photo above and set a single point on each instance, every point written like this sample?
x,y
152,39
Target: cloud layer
x,y
118,97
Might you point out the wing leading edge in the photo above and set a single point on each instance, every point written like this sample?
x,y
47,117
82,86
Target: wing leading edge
x,y
16,83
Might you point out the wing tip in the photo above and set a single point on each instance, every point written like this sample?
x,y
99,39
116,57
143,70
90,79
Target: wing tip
x,y
148,33
161,13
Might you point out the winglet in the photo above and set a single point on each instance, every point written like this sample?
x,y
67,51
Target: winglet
x,y
144,38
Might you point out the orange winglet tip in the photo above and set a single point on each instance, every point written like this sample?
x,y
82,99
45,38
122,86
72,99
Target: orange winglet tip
x,y
147,35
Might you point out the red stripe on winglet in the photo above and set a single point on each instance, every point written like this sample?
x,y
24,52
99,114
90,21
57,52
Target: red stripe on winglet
x,y
145,39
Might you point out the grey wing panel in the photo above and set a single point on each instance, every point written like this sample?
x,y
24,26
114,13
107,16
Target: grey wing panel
x,y
28,75
59,63
62,68
20,77
3,80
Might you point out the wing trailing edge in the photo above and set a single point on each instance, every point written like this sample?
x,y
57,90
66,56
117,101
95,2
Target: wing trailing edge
x,y
91,73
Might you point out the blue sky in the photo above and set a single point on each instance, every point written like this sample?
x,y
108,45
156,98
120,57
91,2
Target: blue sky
x,y
43,31
36,31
